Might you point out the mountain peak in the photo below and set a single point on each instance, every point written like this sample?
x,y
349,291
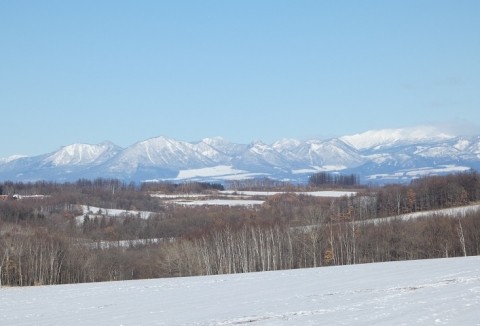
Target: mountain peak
x,y
217,142
81,154
286,144
214,140
388,137
11,158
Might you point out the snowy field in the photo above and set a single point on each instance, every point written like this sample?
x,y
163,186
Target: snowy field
x,y
326,193
240,198
461,211
221,202
114,212
424,292
228,198
93,211
220,172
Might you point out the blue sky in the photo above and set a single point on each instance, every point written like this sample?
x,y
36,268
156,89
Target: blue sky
x,y
124,71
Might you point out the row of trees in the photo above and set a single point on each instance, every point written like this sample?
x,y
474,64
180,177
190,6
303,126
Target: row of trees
x,y
273,247
110,193
40,258
41,242
188,187
322,179
428,193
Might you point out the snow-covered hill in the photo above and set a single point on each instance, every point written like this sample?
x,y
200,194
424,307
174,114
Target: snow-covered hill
x,y
82,154
422,292
395,155
376,139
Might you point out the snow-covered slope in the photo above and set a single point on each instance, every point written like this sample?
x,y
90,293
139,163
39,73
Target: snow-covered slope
x,y
376,156
11,158
390,137
82,154
262,157
422,292
159,152
319,153
223,146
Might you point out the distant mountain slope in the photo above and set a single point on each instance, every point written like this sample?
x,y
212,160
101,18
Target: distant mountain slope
x,y
392,155
82,154
376,139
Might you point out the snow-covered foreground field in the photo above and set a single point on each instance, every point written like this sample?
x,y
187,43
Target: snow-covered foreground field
x,y
426,292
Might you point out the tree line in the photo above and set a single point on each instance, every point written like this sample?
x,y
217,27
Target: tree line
x,y
41,242
322,179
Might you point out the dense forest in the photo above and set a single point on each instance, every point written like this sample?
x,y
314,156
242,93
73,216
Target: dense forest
x,y
47,238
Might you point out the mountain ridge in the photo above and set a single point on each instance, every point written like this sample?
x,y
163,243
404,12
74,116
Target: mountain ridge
x,y
377,156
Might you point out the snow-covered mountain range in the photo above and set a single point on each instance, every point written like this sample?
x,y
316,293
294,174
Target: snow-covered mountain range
x,y
379,156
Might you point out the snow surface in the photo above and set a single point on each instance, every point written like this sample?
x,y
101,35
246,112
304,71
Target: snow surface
x,y
216,171
220,202
461,211
375,138
105,244
422,292
115,212
81,154
436,170
238,198
420,172
100,211
326,193
324,168
176,196
11,158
